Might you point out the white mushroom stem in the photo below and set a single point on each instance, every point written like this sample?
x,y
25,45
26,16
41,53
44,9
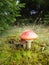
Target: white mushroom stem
x,y
24,46
43,48
29,44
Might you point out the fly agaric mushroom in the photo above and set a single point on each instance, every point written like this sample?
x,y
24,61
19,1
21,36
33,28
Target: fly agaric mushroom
x,y
28,36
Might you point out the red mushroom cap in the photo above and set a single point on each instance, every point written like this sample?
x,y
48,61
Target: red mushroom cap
x,y
28,35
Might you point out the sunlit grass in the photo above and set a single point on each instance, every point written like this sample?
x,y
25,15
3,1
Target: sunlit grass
x,y
11,55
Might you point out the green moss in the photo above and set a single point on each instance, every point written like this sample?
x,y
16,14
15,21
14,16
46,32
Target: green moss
x,y
10,54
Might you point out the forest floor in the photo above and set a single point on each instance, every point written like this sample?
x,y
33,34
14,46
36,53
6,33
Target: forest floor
x,y
11,55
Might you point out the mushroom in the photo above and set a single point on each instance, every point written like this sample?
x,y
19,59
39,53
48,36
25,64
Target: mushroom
x,y
28,36
43,45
